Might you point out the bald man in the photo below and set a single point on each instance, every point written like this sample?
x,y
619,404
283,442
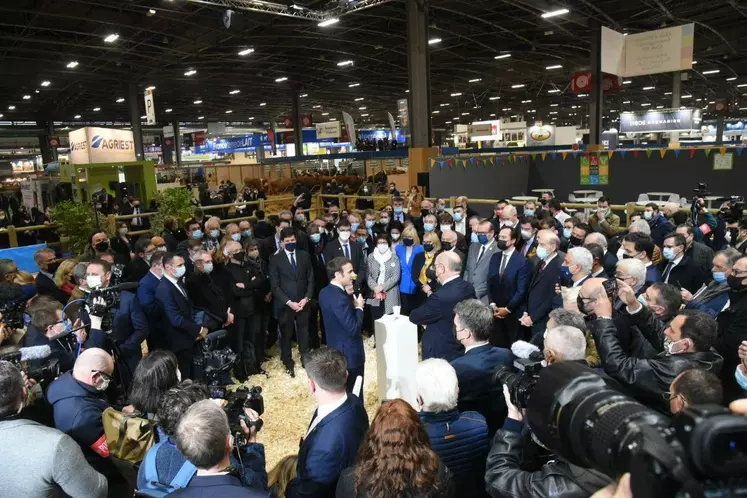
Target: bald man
x,y
78,400
437,313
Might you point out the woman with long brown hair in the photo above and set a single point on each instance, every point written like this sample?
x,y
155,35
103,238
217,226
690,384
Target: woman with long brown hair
x,y
396,460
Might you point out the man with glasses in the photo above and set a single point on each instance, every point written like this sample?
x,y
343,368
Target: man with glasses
x,y
78,400
693,387
678,268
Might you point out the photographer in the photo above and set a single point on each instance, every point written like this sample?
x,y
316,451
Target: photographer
x,y
46,323
504,477
168,461
129,327
686,343
38,461
203,436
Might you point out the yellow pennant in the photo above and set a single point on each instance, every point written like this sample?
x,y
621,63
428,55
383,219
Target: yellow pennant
x,y
610,153
722,150
565,154
663,152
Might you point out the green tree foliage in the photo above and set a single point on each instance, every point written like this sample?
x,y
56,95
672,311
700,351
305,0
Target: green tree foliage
x,y
75,222
171,202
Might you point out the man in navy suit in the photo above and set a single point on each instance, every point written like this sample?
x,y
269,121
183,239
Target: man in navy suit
x,y
181,332
336,430
128,329
640,246
542,288
146,296
473,322
346,246
438,310
343,318
46,259
509,275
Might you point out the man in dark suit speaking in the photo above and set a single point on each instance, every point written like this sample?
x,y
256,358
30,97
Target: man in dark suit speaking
x,y
343,318
438,310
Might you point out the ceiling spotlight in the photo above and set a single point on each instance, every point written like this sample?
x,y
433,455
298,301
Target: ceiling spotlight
x,y
649,87
353,85
77,116
96,109
47,83
433,41
660,107
581,95
246,51
143,117
120,100
457,94
229,111
741,85
262,104
731,79
200,117
556,66
71,65
553,105
234,92
688,96
695,62
525,101
11,107
711,71
364,115
325,114
151,12
475,80
317,107
555,13
553,91
303,95
168,110
152,87
506,109
36,91
297,7
626,102
280,80
111,38
362,108
328,22
502,56
435,112
495,98
359,99
26,97
190,72
465,114
645,104
345,63
667,93
517,86
627,82
251,118
197,102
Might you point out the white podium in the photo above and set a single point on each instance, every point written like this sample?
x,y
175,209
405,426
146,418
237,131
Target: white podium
x,y
397,358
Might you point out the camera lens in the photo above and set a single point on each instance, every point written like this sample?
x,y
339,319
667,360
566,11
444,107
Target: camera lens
x,y
504,375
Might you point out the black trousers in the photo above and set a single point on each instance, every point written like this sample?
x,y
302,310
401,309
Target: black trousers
x,y
317,334
245,330
376,313
409,303
184,359
290,322
505,331
353,373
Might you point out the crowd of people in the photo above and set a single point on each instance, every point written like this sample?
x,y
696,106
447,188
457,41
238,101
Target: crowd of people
x,y
658,307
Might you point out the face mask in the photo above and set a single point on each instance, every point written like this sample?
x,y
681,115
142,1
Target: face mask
x,y
207,267
396,236
102,246
668,253
735,283
580,304
344,236
727,237
383,248
384,221
428,227
300,218
197,234
719,276
428,247
445,228
677,346
457,217
215,233
247,234
397,209
529,212
361,239
104,385
542,253
181,271
576,242
334,215
236,236
316,237
52,267
502,245
741,379
408,241
441,207
482,238
290,246
647,215
567,233
565,273
642,300
473,238
93,281
447,246
508,224
354,226
123,231
526,234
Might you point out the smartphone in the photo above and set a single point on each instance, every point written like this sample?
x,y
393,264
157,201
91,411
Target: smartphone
x,y
610,287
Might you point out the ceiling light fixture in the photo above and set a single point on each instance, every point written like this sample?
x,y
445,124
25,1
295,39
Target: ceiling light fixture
x,y
200,117
359,99
325,114
120,100
262,104
26,97
229,111
731,79
96,109
525,101
197,102
280,80
465,114
143,117
345,63
246,51
151,12
328,22
502,56
297,7
190,72
494,98
353,85
47,83
251,118
553,91
362,108
303,95
152,87
11,107
435,112
77,116
645,104
317,107
688,96
554,105
649,87
457,94
667,93
433,41
364,115
111,38
71,65
518,86
711,71
475,80
695,62
556,66
627,82
167,110
626,102
234,92
555,13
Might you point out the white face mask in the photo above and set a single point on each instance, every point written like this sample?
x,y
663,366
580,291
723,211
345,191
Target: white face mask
x,y
383,248
396,236
445,228
344,236
93,281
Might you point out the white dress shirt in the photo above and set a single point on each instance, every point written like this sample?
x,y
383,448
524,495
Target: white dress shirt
x,y
343,290
175,282
461,227
324,410
477,345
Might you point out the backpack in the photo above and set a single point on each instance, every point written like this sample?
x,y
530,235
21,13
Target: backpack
x,y
128,436
156,489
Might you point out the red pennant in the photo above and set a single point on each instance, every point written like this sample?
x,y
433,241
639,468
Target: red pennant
x,y
692,153
635,154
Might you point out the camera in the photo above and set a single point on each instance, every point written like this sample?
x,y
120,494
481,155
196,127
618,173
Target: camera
x,y
584,418
732,211
105,309
213,366
521,385
13,314
44,373
702,190
244,398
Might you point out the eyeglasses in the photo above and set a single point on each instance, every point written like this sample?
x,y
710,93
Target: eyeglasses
x,y
736,272
669,395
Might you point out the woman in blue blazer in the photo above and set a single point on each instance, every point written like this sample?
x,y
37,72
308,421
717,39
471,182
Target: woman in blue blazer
x,y
406,253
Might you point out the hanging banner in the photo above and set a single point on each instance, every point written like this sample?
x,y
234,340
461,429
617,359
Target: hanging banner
x,y
150,108
660,120
391,125
651,52
101,145
330,129
199,138
595,170
349,126
404,120
168,131
540,135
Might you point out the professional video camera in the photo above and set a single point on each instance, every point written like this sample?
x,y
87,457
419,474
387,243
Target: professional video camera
x,y
521,385
583,418
213,366
12,306
104,301
44,373
732,211
244,398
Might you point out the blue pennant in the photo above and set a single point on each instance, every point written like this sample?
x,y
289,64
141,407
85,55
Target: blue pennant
x,y
441,164
472,161
739,151
622,153
575,154
554,155
676,152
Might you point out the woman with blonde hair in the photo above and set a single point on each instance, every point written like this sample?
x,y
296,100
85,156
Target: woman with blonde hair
x,y
281,474
406,253
396,460
414,198
63,277
423,271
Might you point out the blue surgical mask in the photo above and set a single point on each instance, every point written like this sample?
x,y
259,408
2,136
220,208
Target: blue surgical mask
x,y
369,223
290,246
354,226
482,238
473,238
565,273
647,216
567,233
208,267
719,276
542,253
529,212
457,217
668,253
236,236
181,271
741,379
362,240
197,234
397,209
642,300
428,227
316,237
247,233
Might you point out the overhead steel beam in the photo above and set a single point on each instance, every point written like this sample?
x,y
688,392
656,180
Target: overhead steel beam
x,y
288,10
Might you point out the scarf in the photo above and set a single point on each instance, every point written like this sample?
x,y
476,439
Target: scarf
x,y
382,259
712,290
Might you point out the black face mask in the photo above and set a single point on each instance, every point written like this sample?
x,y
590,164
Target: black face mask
x,y
502,244
735,283
239,256
447,246
576,242
102,246
52,267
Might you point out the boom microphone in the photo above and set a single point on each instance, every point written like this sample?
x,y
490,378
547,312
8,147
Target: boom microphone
x,y
124,286
66,332
28,354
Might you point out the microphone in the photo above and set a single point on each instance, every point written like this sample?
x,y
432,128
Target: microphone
x,y
27,354
525,350
216,336
118,287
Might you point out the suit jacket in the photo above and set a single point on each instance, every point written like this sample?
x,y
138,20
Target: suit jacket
x,y
476,272
702,257
509,291
685,275
328,449
135,270
732,330
438,314
477,392
288,285
144,220
208,295
610,264
181,330
130,327
157,322
319,264
343,324
225,486
531,250
542,289
46,286
357,257
660,228
653,274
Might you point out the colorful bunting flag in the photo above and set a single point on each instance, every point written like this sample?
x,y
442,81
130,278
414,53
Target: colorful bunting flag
x,y
503,160
739,151
450,163
544,155
575,154
663,152
676,152
433,163
708,152
649,152
722,150
554,155
635,154
472,161
610,154
565,154
623,152
534,155
692,153
441,164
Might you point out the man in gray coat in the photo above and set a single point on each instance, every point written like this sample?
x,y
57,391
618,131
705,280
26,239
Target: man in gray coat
x,y
39,461
478,260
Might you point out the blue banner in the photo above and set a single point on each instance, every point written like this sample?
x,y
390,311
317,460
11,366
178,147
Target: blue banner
x,y
23,257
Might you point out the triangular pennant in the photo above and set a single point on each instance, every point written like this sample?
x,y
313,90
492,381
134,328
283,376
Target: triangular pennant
x,y
649,152
635,154
478,160
503,160
464,163
692,153
450,163
708,152
722,150
610,154
599,153
575,154
565,154
441,164
534,155
553,156
544,155
676,152
472,161
433,163
739,151
662,152
623,153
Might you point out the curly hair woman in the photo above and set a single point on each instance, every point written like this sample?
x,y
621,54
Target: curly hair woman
x,y
396,460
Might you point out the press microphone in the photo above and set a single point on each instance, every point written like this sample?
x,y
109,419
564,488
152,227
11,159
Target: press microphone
x,y
525,350
119,287
215,336
28,354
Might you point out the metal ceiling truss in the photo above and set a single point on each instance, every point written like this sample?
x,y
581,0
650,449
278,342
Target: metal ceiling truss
x,y
296,12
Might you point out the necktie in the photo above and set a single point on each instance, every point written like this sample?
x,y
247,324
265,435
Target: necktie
x,y
667,271
542,266
293,261
182,288
482,251
504,263
346,249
